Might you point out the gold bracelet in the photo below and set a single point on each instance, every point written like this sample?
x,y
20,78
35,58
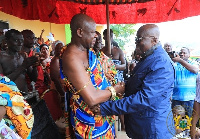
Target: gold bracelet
x,y
113,92
83,87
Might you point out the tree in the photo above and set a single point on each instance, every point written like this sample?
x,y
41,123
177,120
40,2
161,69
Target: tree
x,y
122,33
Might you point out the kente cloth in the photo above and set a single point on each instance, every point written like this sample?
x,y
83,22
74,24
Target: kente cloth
x,y
17,109
119,76
84,122
69,129
108,66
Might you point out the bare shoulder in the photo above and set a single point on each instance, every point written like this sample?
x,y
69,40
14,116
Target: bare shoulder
x,y
75,62
71,54
73,57
117,49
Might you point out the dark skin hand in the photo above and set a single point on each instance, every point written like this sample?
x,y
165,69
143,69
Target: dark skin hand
x,y
78,76
30,64
75,61
121,87
15,67
96,109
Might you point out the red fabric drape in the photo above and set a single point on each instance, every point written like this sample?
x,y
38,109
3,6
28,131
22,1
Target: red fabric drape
x,y
61,12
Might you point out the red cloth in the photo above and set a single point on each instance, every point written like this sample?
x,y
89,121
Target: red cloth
x,y
61,12
53,103
40,86
51,97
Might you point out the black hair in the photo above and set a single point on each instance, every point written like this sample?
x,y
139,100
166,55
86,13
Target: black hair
x,y
99,35
43,45
105,32
27,31
10,33
115,44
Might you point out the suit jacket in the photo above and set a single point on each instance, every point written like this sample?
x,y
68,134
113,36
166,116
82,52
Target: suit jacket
x,y
147,105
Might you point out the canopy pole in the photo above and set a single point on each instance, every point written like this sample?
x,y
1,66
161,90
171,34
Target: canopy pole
x,y
108,27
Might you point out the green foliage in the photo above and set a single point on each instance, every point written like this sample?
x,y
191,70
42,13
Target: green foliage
x,y
122,33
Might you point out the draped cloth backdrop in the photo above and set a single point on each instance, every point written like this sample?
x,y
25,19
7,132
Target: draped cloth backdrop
x,y
120,11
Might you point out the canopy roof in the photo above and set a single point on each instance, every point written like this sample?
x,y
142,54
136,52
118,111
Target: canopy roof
x,y
133,11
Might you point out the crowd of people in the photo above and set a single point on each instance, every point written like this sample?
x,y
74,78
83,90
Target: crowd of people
x,y
83,86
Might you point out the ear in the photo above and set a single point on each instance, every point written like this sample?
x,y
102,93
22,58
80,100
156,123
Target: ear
x,y
155,41
79,32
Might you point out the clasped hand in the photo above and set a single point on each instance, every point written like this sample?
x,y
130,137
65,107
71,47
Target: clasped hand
x,y
120,88
96,109
30,61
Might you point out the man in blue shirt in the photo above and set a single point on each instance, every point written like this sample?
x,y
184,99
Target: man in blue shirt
x,y
147,106
185,82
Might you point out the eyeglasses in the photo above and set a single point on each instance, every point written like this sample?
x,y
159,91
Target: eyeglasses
x,y
138,40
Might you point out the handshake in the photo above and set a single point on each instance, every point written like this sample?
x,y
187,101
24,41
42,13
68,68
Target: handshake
x,y
119,88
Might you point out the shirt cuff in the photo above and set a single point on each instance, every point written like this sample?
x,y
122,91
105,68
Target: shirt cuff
x,y
103,111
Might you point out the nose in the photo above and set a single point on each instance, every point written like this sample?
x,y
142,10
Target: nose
x,y
20,42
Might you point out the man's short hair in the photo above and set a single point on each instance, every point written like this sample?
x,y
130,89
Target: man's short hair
x,y
27,31
79,21
167,43
115,44
186,49
10,33
105,32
